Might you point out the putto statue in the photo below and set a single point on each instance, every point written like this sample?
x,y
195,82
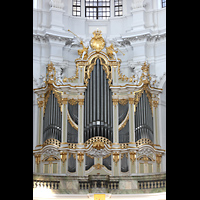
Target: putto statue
x,y
111,51
83,52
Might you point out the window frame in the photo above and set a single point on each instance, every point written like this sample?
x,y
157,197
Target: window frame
x,y
118,6
163,2
97,7
76,6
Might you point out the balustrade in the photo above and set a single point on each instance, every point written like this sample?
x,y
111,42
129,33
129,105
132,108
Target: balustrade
x,y
151,184
46,184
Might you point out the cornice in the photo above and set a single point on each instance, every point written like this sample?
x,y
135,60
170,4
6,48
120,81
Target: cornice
x,y
148,37
48,36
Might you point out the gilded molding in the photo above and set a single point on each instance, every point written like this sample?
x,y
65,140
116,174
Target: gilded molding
x,y
71,121
124,122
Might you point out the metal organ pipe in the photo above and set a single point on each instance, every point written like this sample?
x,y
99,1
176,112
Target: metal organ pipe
x,y
98,105
102,102
52,122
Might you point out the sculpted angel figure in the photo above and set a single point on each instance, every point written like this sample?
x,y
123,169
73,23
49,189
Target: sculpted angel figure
x,y
111,51
83,52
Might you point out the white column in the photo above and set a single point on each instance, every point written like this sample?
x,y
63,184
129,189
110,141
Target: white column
x,y
64,121
131,120
40,120
80,120
115,101
155,101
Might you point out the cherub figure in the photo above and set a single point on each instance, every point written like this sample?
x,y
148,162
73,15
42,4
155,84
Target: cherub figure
x,y
111,51
83,52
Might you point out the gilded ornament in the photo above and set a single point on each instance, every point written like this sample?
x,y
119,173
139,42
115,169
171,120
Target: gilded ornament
x,y
97,42
80,157
81,102
83,52
123,101
124,122
132,156
115,102
98,166
64,100
98,145
40,104
73,101
37,158
111,51
131,100
63,155
116,157
158,158
71,121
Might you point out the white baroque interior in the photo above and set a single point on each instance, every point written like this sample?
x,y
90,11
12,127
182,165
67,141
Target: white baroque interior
x,y
139,36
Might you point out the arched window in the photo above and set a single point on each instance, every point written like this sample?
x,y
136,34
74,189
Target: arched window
x,y
97,9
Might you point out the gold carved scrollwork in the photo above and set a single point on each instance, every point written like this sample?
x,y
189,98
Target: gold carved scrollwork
x,y
105,64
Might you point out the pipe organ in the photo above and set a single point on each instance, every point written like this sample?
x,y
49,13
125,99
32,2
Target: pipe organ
x,y
52,121
144,119
99,121
98,105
